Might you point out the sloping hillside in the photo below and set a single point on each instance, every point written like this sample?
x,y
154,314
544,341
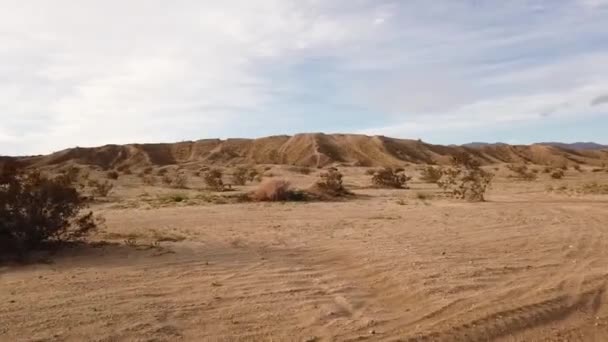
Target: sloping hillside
x,y
315,149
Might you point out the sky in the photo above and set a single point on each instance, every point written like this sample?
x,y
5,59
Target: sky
x,y
92,72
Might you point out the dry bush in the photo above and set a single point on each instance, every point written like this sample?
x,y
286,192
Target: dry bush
x,y
423,196
180,181
330,183
431,174
594,188
276,190
252,174
557,174
522,172
547,170
370,172
597,169
100,189
242,175
148,180
213,179
465,179
112,175
577,168
300,169
36,210
390,178
71,175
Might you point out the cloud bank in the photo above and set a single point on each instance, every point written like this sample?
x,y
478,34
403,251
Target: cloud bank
x,y
95,72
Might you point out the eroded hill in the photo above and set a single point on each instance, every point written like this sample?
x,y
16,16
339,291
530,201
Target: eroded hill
x,y
313,150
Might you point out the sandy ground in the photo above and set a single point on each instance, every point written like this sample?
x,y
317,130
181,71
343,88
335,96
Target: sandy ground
x,y
528,265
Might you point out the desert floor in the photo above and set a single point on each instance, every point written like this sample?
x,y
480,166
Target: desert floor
x,y
527,265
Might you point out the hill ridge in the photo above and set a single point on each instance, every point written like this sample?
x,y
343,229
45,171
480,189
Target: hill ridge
x,y
310,149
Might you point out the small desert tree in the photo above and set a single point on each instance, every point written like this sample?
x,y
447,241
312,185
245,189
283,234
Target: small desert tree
x,y
465,179
35,210
390,178
213,179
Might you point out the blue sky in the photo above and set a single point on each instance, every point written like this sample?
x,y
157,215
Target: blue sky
x,y
87,73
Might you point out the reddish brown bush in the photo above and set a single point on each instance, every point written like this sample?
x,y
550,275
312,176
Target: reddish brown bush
x,y
276,190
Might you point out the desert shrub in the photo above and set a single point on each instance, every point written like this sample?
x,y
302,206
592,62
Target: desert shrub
x,y
101,189
36,210
177,197
178,181
241,175
330,182
213,179
127,171
147,170
522,172
564,167
162,172
577,168
597,170
547,170
112,175
276,190
252,174
71,175
594,188
557,174
300,169
431,174
423,196
465,179
390,178
148,180
370,172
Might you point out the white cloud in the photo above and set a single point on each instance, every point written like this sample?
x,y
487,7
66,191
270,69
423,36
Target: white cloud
x,y
96,72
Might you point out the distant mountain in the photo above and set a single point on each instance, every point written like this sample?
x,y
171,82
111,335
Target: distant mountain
x,y
590,146
577,145
477,144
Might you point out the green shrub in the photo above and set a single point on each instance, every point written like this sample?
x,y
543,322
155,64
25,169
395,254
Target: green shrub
x,y
36,210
